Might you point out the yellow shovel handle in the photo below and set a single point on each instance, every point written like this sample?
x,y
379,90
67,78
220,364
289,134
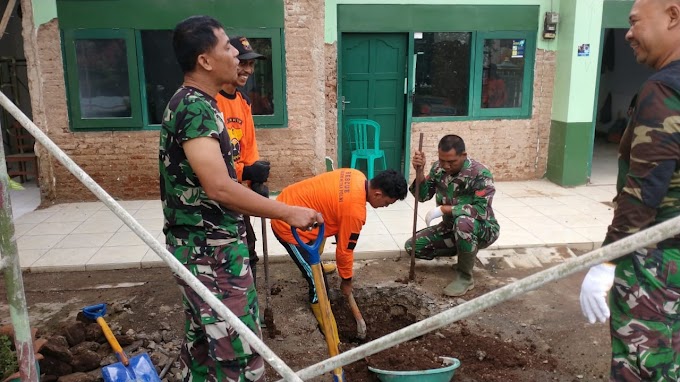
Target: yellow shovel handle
x,y
329,332
113,341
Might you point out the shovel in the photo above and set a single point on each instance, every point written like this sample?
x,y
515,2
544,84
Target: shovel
x,y
268,313
139,368
361,324
326,313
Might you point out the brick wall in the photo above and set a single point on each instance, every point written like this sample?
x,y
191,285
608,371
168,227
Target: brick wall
x,y
297,152
332,101
512,149
125,164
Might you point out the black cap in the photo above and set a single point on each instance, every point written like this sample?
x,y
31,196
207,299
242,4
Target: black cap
x,y
245,51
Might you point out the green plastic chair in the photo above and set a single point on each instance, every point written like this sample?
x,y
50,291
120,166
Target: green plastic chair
x,y
359,130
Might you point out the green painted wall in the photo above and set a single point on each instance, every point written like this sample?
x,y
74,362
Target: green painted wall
x,y
615,14
569,153
571,131
44,11
575,82
331,15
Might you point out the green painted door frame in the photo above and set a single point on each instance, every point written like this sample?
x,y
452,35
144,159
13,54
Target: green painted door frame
x,y
614,15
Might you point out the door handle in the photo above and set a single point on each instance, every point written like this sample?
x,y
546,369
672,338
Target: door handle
x,y
344,103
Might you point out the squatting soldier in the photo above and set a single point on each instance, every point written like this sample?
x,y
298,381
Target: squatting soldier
x,y
645,300
464,191
202,206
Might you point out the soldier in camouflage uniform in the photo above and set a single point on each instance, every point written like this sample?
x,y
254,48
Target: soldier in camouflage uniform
x,y
202,205
645,298
464,190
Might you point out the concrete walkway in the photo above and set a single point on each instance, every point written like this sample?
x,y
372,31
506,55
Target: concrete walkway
x,y
87,236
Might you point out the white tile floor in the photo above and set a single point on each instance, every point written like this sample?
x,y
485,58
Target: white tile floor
x,y
87,236
80,236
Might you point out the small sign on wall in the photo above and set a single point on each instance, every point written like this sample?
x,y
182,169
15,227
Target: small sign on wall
x,y
584,50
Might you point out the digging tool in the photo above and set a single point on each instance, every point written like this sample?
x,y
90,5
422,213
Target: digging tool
x,y
268,313
361,324
412,271
324,304
138,368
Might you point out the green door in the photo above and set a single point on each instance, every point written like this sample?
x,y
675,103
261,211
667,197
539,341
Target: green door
x,y
373,82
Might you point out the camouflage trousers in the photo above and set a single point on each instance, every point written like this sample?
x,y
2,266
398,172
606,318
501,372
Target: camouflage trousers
x,y
459,235
645,317
212,349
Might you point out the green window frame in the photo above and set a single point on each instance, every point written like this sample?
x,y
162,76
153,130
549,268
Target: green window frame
x,y
527,80
139,119
280,116
76,119
475,110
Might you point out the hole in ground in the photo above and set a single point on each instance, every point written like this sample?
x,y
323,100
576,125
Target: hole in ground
x,y
387,309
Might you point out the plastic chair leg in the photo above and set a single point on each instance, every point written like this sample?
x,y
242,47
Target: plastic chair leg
x,y
354,162
384,163
371,163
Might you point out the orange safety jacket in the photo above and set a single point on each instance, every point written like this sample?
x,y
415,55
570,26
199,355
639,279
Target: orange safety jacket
x,y
238,120
340,196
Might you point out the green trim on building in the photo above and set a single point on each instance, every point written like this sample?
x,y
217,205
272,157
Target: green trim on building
x,y
568,154
71,75
165,14
436,18
615,13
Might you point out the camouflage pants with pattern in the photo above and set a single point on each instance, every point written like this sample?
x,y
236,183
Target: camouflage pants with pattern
x,y
212,349
645,321
459,235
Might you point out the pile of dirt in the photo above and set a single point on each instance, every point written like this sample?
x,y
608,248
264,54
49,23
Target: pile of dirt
x,y
76,351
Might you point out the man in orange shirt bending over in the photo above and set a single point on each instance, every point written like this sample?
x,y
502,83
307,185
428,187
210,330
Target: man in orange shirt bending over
x,y
238,119
340,196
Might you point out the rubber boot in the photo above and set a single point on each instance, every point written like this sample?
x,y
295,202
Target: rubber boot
x,y
462,281
316,309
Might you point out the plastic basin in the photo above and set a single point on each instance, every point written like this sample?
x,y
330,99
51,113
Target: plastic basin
x,y
442,374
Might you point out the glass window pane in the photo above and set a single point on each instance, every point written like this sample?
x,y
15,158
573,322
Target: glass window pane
x,y
442,74
104,83
260,86
161,71
503,74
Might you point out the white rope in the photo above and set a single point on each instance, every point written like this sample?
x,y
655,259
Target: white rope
x,y
617,249
177,267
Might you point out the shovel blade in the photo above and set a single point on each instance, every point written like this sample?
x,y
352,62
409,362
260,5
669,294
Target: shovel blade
x,y
140,369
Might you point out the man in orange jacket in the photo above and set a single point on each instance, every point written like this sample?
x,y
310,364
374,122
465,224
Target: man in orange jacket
x,y
340,196
238,117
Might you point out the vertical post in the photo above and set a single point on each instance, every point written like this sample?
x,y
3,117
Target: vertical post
x,y
14,281
416,194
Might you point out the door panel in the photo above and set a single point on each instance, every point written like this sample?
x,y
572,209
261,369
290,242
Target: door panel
x,y
373,72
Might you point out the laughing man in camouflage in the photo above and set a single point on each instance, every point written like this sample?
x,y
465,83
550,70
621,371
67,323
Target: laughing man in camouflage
x,y
645,300
203,205
464,190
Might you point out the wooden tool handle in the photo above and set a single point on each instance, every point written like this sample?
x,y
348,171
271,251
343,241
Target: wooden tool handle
x,y
412,271
113,341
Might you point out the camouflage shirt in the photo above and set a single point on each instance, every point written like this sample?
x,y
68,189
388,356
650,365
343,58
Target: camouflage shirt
x,y
470,192
191,218
648,185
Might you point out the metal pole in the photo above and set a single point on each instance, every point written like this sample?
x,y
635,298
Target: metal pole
x,y
14,282
617,249
174,264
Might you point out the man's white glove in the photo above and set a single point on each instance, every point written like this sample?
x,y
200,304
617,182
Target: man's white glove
x,y
594,289
433,214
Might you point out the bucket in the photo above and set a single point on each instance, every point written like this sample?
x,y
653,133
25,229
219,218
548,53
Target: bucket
x,y
442,374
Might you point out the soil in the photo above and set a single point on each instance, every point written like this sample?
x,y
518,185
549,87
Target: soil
x,y
539,336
